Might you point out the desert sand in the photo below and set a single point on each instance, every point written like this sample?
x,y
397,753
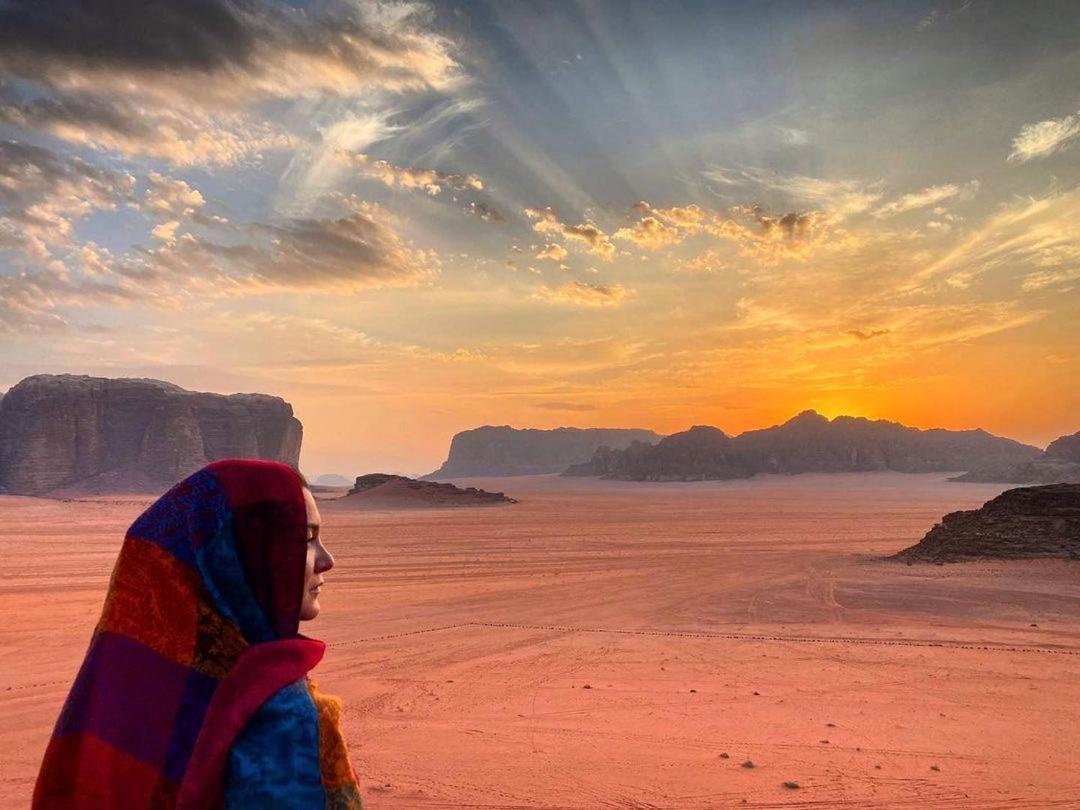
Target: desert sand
x,y
612,644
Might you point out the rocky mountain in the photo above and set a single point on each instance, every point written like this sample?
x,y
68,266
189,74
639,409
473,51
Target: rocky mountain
x,y
387,491
1060,464
98,434
807,443
497,451
1066,448
1018,523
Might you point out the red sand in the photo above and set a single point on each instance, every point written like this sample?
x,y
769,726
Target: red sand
x,y
462,642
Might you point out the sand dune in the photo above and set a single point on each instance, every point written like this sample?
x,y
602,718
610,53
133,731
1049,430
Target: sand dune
x,y
604,644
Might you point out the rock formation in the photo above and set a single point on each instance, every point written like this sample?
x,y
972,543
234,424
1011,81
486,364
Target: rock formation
x,y
331,480
498,451
1018,523
1060,464
387,491
807,443
97,434
1066,448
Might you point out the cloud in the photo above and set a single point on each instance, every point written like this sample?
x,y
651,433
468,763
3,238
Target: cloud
x,y
768,238
166,231
355,247
932,195
1030,234
553,252
939,15
42,194
841,198
595,240
431,181
1050,278
581,293
484,211
866,334
182,135
169,197
31,301
357,250
1044,138
650,233
179,80
709,261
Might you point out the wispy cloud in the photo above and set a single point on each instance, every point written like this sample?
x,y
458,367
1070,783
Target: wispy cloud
x,y
841,197
582,293
1028,234
1044,138
932,195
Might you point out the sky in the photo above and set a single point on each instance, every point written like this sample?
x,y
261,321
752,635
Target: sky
x,y
411,219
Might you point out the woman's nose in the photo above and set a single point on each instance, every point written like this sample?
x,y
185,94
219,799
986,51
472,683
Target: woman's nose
x,y
324,561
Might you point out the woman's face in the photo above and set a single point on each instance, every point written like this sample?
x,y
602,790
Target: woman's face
x,y
319,560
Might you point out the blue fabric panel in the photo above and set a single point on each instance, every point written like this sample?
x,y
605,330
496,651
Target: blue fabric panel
x,y
223,575
274,763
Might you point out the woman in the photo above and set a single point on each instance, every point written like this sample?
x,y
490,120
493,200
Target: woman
x,y
194,690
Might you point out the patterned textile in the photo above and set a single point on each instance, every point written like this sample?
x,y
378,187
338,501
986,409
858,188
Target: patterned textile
x,y
194,690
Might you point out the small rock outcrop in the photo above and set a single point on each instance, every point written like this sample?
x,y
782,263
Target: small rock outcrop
x,y
502,451
1019,523
808,442
388,491
77,433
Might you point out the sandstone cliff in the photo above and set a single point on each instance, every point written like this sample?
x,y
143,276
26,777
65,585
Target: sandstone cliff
x,y
807,443
505,450
65,431
1019,523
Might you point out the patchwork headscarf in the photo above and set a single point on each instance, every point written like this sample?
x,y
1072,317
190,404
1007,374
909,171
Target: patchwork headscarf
x,y
194,690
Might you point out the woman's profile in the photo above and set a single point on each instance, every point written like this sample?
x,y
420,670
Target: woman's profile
x,y
194,692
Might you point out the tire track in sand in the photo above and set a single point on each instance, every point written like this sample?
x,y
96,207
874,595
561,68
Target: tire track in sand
x,y
954,644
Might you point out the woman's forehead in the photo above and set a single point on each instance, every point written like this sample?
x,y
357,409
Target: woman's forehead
x,y
313,516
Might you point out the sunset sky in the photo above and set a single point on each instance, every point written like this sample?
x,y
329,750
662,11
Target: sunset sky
x,y
412,219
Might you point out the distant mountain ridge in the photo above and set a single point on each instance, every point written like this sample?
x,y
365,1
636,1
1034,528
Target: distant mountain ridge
x,y
1060,464
502,450
808,442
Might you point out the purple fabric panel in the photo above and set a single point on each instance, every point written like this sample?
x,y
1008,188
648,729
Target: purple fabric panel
x,y
126,695
189,719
